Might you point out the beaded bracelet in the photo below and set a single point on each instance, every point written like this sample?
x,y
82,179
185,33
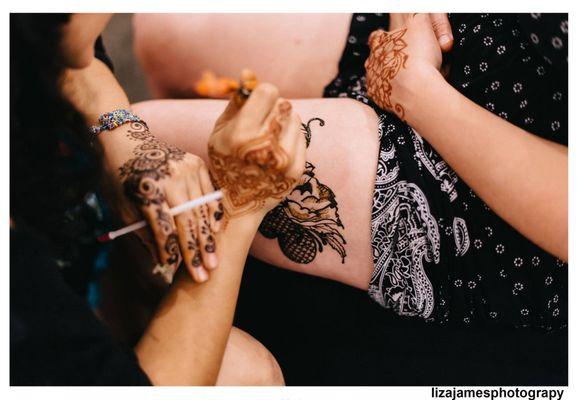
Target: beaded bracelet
x,y
112,120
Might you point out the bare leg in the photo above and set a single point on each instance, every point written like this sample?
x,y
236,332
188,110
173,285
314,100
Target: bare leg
x,y
248,363
175,49
343,153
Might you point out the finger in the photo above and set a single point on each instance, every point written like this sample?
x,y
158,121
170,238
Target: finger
x,y
293,142
164,231
376,38
206,238
187,226
259,105
398,20
289,137
229,113
215,207
189,243
273,155
290,125
443,30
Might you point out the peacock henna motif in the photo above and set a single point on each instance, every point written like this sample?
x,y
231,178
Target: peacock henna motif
x,y
255,171
306,129
386,59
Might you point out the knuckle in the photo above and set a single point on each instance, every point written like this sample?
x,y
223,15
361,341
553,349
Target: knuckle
x,y
440,25
194,162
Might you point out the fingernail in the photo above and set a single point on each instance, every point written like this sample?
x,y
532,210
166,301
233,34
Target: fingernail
x,y
445,39
202,275
212,261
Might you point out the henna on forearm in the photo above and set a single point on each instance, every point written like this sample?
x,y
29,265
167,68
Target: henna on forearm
x,y
307,219
387,58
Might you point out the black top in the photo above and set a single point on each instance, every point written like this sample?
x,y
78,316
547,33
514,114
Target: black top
x,y
55,338
439,251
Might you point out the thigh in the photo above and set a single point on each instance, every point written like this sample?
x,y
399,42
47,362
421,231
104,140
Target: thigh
x,y
175,49
323,227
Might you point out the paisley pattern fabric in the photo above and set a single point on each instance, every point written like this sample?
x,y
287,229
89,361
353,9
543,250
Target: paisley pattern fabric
x,y
439,252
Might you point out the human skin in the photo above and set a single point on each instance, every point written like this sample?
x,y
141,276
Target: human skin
x,y
189,310
520,176
344,152
175,49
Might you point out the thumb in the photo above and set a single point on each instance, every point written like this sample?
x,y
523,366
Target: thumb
x,y
443,31
248,82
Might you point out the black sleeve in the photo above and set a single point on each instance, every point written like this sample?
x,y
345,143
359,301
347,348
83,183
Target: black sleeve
x,y
55,338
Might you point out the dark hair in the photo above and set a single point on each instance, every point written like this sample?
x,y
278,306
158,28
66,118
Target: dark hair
x,y
42,183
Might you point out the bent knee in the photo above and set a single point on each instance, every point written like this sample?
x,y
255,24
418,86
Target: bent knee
x,y
248,363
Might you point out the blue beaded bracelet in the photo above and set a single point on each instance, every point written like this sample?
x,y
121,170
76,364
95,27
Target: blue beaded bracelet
x,y
112,120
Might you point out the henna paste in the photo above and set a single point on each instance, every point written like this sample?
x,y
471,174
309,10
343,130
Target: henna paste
x,y
307,219
386,59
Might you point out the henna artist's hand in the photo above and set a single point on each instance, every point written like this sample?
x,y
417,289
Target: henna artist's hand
x,y
397,56
256,152
144,177
155,178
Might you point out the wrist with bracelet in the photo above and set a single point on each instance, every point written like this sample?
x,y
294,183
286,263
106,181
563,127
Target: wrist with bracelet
x,y
112,120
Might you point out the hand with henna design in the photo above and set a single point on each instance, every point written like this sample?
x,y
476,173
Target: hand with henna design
x,y
256,152
146,177
410,47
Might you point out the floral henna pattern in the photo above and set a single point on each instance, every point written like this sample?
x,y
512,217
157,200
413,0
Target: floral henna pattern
x,y
193,246
207,232
255,171
307,219
149,165
140,178
386,59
